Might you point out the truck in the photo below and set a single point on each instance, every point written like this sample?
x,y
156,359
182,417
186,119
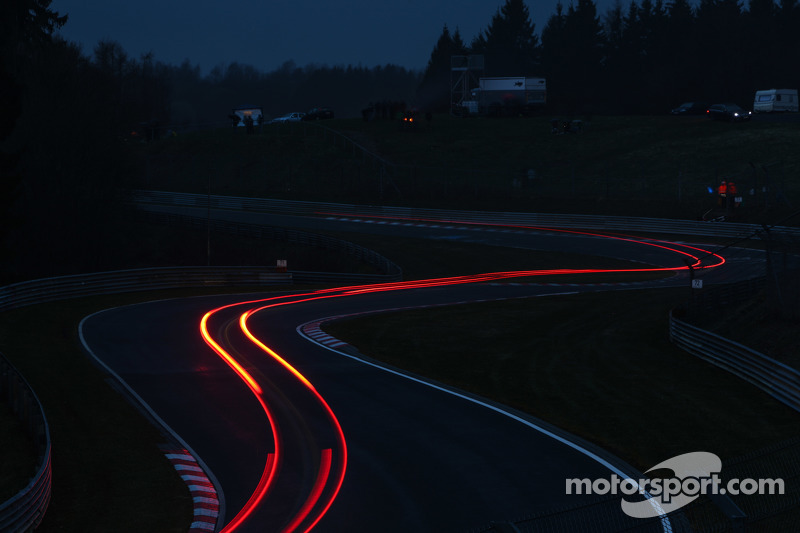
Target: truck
x,y
508,96
772,100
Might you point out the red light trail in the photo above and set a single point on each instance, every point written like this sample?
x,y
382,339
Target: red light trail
x,y
333,462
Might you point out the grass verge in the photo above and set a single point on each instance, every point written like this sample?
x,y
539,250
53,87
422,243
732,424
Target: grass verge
x,y
598,365
657,166
105,453
107,467
425,258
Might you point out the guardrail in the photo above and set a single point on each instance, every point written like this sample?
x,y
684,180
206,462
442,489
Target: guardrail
x,y
742,361
721,297
337,277
24,511
53,289
773,377
390,270
552,220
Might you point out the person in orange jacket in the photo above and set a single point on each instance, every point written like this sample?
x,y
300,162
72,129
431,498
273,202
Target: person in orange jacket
x,y
732,194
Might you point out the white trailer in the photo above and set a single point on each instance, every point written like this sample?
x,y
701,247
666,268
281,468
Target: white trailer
x,y
510,95
773,100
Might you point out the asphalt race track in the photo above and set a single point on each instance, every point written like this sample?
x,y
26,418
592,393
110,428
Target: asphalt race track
x,y
301,436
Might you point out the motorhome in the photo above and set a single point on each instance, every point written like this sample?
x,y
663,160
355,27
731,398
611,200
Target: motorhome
x,y
507,96
774,100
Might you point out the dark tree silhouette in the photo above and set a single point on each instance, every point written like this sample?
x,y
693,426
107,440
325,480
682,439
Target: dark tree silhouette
x,y
763,41
648,55
26,28
434,91
64,116
198,101
620,57
554,40
684,85
573,52
720,48
788,23
510,44
26,24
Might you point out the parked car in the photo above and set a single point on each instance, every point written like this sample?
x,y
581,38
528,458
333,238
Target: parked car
x,y
730,112
319,113
690,108
289,117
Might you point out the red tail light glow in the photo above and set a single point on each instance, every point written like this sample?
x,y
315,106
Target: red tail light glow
x,y
333,461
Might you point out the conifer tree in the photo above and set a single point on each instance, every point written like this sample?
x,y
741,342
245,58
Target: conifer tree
x,y
554,40
573,57
433,93
26,27
509,43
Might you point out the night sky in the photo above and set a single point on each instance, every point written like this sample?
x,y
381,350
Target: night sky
x,y
267,33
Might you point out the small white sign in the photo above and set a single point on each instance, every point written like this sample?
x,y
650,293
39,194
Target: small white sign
x,y
697,283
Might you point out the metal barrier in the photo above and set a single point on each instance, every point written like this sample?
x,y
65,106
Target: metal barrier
x,y
775,378
60,288
547,220
26,509
390,270
708,299
24,512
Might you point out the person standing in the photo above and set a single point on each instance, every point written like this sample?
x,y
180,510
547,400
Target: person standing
x,y
732,193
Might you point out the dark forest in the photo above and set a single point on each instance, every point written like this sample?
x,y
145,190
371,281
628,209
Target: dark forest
x,y
65,110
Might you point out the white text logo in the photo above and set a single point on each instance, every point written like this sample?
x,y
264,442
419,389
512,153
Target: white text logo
x,y
694,474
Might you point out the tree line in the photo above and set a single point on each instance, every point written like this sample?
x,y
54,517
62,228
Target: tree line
x,y
67,119
205,100
66,114
641,57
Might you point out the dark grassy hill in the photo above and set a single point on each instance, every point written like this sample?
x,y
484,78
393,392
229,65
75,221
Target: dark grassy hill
x,y
644,166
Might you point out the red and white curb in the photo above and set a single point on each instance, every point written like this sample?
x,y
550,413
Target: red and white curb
x,y
204,495
313,331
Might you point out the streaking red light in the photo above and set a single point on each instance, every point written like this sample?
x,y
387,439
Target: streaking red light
x,y
270,470
246,377
314,500
314,496
322,494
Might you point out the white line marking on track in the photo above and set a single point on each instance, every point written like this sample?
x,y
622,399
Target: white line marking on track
x,y
314,325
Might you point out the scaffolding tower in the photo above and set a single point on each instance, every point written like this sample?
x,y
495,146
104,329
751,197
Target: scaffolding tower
x,y
465,71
